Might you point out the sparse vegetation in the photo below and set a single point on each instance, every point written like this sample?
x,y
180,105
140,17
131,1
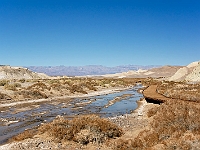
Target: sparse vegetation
x,y
22,80
43,88
31,94
12,86
24,135
3,82
180,90
4,96
175,125
81,129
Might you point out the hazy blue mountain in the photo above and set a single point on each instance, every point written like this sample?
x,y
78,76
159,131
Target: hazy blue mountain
x,y
85,70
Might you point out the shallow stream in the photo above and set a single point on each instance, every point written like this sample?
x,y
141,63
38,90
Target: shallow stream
x,y
16,119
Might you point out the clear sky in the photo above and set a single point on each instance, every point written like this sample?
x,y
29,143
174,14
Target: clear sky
x,y
99,32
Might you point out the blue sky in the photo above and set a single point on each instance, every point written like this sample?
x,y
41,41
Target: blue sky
x,y
99,32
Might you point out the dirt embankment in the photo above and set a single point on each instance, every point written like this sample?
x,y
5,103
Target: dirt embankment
x,y
152,96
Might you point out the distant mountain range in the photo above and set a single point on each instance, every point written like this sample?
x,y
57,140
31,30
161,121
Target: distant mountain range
x,y
85,70
190,73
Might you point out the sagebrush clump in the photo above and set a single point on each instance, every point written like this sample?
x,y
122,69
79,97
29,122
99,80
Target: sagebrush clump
x,y
175,125
82,129
180,90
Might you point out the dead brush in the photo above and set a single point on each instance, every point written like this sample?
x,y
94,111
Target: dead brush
x,y
3,82
82,129
175,125
90,86
180,90
24,135
11,86
77,88
4,96
174,118
35,94
38,86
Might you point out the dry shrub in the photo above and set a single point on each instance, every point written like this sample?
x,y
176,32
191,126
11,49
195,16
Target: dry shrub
x,y
77,88
24,135
3,82
145,140
12,87
121,144
32,94
90,86
38,86
56,86
4,96
82,129
22,80
175,118
175,125
180,90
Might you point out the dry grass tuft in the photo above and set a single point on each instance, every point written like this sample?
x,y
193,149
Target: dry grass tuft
x,y
175,125
3,82
33,94
12,87
82,129
38,86
4,96
24,135
180,90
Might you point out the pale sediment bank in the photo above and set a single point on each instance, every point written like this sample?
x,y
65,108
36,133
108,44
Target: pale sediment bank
x,y
141,104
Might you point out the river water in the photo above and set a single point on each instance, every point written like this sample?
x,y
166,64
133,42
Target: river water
x,y
15,120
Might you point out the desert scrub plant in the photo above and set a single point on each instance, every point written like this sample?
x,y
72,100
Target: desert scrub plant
x,y
38,86
24,135
172,121
90,86
32,94
3,82
4,96
77,88
12,86
144,141
22,80
180,90
175,125
81,129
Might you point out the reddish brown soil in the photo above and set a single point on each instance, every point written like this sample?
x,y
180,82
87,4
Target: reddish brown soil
x,y
151,95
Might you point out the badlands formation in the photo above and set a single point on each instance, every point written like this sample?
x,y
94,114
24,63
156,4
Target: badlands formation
x,y
8,72
189,73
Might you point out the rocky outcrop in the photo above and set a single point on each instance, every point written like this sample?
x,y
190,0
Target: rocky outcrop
x,y
194,76
180,74
189,73
8,72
